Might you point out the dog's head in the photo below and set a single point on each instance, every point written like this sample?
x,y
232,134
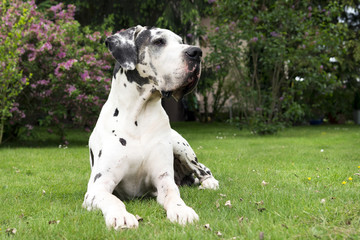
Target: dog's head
x,y
157,56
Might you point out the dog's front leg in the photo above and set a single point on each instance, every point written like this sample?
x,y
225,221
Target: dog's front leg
x,y
168,194
169,197
99,196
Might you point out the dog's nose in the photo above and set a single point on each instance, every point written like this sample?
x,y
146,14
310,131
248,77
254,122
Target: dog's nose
x,y
194,53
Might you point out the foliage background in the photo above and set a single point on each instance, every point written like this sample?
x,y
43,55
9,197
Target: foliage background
x,y
269,59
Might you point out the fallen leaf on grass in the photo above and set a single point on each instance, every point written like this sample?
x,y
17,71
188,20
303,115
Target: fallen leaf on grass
x,y
54,222
261,235
217,204
284,225
260,203
264,183
219,233
207,226
261,209
11,231
322,201
222,195
228,203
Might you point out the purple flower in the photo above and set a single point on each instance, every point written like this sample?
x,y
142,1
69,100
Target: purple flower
x,y
258,109
256,19
61,55
216,29
211,1
23,80
274,34
29,127
217,68
56,8
85,75
71,89
281,98
189,35
69,63
310,8
254,39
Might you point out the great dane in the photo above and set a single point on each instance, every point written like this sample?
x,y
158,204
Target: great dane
x,y
133,150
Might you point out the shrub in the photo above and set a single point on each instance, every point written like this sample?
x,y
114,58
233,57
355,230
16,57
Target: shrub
x,y
70,71
267,48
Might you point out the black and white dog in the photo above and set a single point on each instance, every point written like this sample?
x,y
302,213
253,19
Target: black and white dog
x,y
133,150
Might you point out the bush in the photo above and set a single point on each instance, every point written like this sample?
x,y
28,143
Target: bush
x,y
277,54
70,71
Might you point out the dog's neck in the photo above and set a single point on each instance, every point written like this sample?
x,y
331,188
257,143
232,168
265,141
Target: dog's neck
x,y
133,99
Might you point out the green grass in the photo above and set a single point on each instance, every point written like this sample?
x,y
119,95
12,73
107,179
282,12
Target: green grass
x,y
40,182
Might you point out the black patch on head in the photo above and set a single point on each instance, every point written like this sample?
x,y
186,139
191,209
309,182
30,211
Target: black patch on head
x,y
97,176
92,157
100,152
124,52
142,39
122,141
136,123
116,112
134,76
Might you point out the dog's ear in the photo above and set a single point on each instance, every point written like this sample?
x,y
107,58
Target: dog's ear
x,y
122,47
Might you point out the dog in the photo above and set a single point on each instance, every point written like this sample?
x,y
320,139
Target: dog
x,y
133,150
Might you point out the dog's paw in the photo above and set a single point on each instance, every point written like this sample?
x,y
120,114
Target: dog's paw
x,y
89,202
209,183
120,220
182,214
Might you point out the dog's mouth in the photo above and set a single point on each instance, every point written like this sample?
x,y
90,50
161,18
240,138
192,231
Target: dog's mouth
x,y
189,86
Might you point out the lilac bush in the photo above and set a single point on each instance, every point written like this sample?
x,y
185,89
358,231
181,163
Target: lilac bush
x,y
70,71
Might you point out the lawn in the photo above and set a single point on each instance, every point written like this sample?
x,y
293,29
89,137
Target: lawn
x,y
302,183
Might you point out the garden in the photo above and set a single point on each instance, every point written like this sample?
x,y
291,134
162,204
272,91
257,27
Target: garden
x,y
275,115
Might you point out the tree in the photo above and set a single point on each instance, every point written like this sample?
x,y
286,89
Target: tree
x,y
268,47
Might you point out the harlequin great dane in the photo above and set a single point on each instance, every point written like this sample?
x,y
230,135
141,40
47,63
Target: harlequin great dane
x,y
133,150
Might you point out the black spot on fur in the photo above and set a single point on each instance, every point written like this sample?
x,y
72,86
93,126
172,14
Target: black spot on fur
x,y
124,84
165,174
196,160
202,172
116,112
122,141
97,176
92,157
134,76
113,131
208,172
100,152
136,123
193,162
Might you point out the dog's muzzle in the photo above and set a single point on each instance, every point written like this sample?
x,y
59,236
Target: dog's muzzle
x,y
193,58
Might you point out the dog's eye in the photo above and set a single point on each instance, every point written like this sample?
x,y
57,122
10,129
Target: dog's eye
x,y
159,42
